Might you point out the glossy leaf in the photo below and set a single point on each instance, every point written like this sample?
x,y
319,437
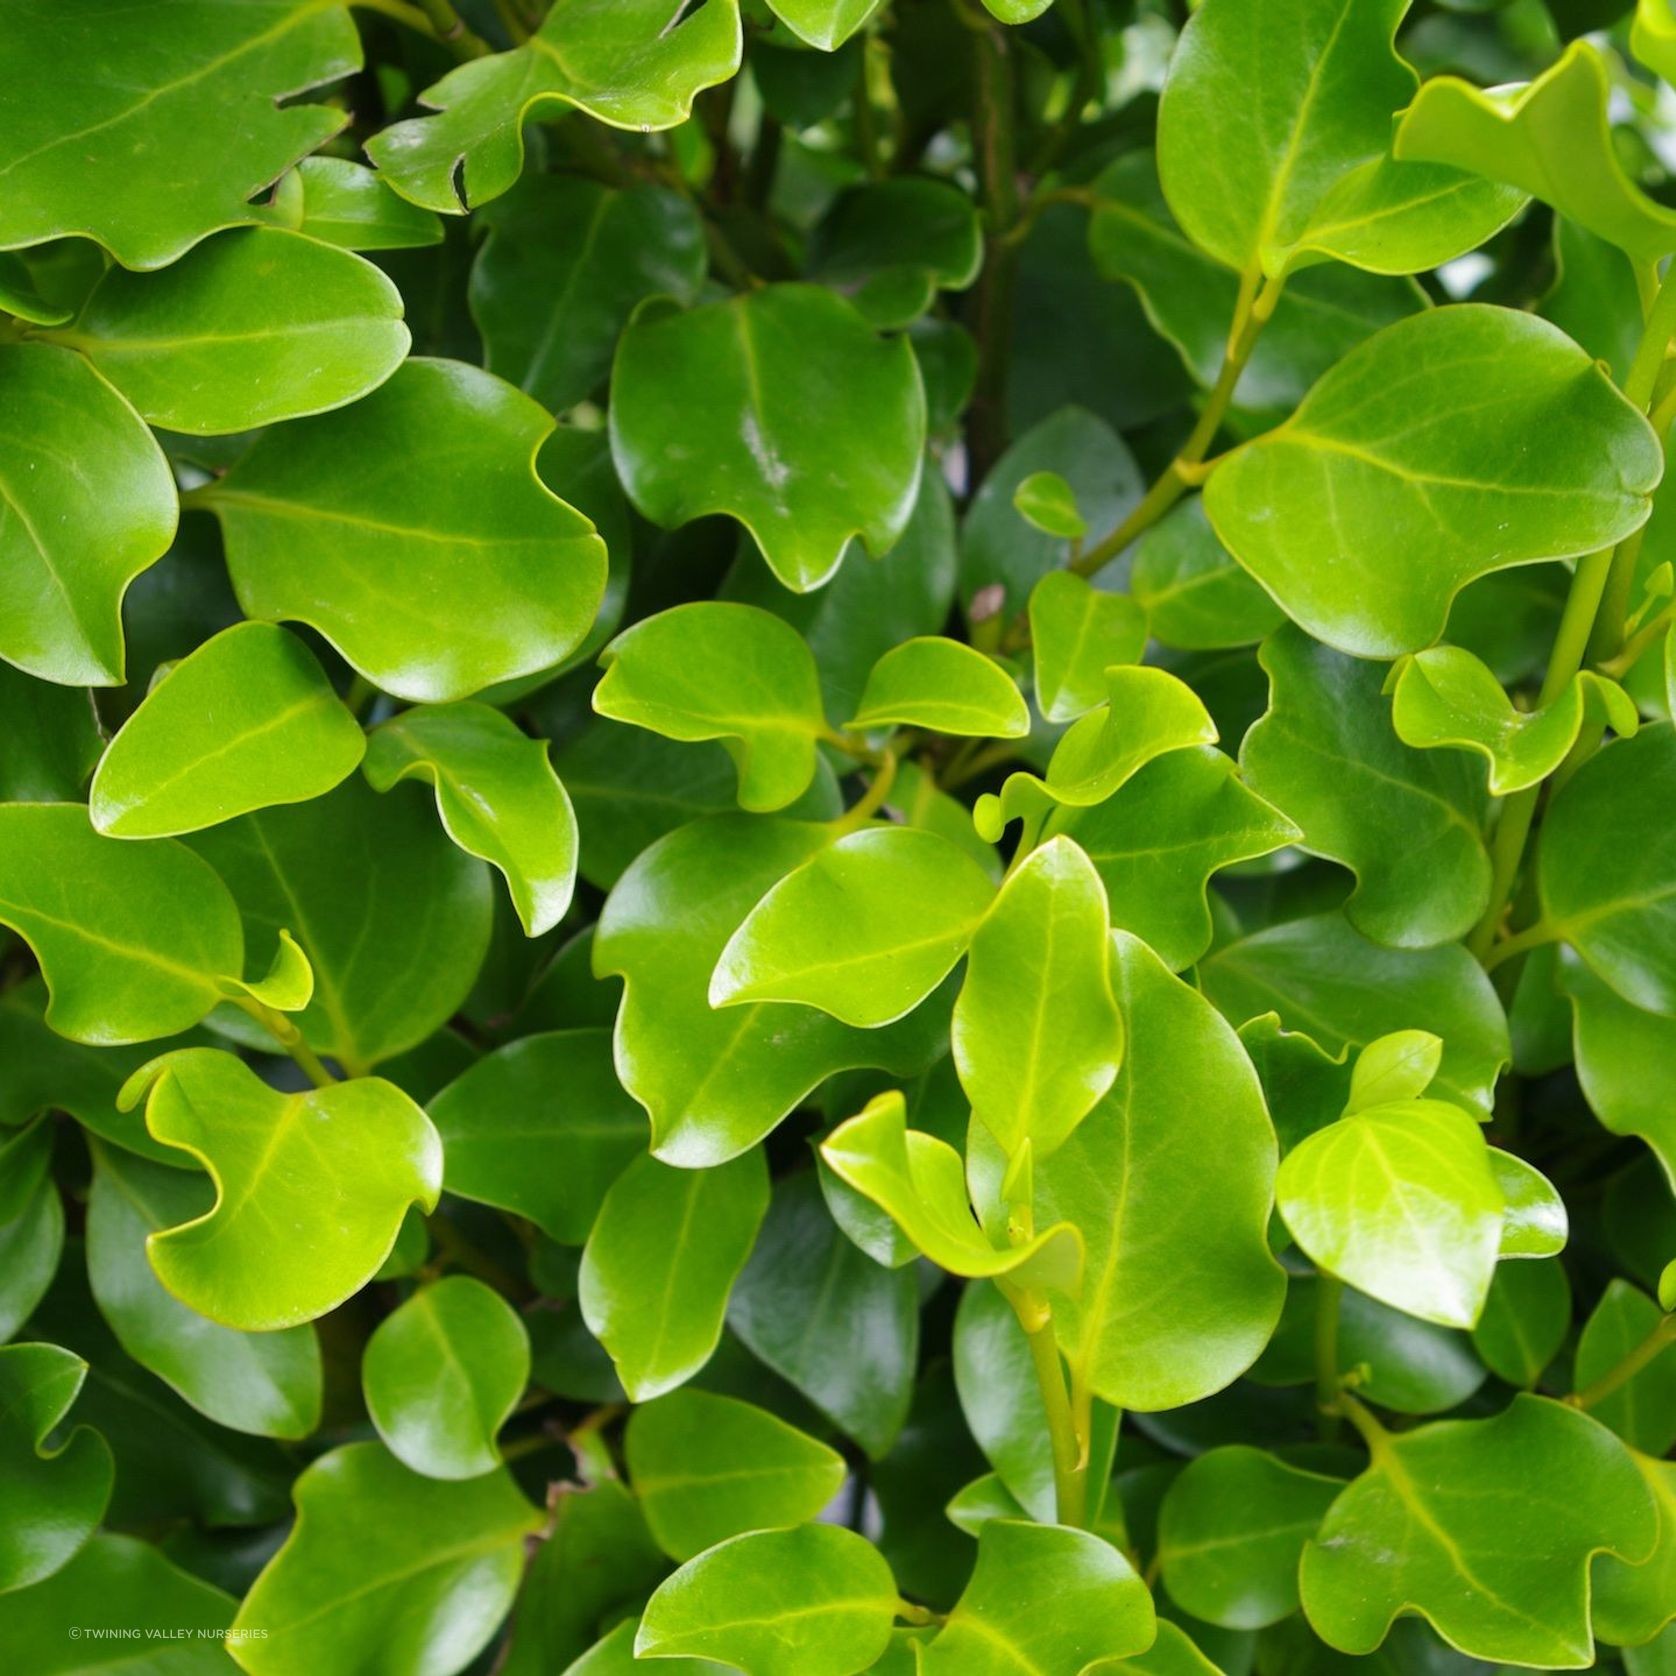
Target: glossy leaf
x,y
1632,1604
943,685
1533,1218
1078,632
1624,1055
1524,1322
346,204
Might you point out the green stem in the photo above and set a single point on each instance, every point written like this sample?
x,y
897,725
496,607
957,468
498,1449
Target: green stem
x,y
290,1039
1257,300
434,19
1372,1433
996,146
1522,943
1648,1350
872,800
1629,654
1329,1294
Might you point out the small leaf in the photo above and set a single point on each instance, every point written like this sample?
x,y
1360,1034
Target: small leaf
x,y
54,1497
661,1261
1077,632
1525,1321
943,685
706,1468
335,1167
780,407
1642,1410
1389,516
1399,1066
442,1374
865,929
497,794
384,1565
825,24
541,1128
1047,501
133,939
255,325
1425,1530
716,670
1101,1609
1400,1201
1533,1221
1037,1036
627,63
1231,1532
246,721
452,565
921,1182
815,1600
346,204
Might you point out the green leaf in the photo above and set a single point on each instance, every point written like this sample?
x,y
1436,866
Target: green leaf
x,y
53,742
88,505
864,930
1525,1321
135,941
1231,1532
565,264
1399,1066
246,721
540,1128
1101,1610
1045,500
662,1258
1400,1201
1551,138
717,670
442,1374
1642,1411
346,204
256,325
1036,1035
920,1181
779,407
451,565
1001,1401
1163,1321
943,685
497,794
825,24
54,1496
1156,842
815,1600
614,1656
342,873
95,94
267,1383
706,1468
1390,515
624,62
1446,696
1632,1604
31,1224
1077,632
1193,593
1324,978
384,1566
715,1082
1437,1499
1615,904
118,1586
1533,1221
335,1167
1408,823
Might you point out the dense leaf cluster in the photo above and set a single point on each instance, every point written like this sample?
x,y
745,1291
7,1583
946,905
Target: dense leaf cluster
x,y
837,835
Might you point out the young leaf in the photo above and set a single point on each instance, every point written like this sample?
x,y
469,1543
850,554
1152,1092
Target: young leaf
x,y
1101,1609
267,1383
346,204
1424,1530
541,1128
825,24
943,685
442,1374
89,505
134,940
1533,1216
1036,1035
920,1181
255,325
1045,500
865,929
660,1262
1079,631
95,93
1147,713
413,533
1551,462
246,721
384,1565
706,1468
1161,1321
779,407
1399,1066
55,1496
716,670
1642,1410
1400,1201
625,62
814,1600
335,1167
1231,1531
497,794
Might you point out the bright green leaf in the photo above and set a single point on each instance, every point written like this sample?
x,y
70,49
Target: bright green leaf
x,y
1077,632
943,685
